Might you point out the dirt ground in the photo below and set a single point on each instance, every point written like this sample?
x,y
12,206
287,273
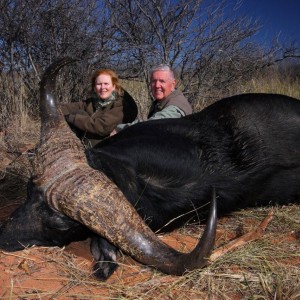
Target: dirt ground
x,y
266,268
54,273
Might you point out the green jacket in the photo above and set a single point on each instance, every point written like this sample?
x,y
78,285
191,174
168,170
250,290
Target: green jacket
x,y
174,106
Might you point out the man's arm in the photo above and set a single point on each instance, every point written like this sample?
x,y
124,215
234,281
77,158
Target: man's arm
x,y
170,111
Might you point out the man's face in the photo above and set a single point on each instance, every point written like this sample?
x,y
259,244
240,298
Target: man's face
x,y
162,84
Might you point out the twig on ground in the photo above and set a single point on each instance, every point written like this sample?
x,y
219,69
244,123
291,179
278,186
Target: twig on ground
x,y
242,240
238,242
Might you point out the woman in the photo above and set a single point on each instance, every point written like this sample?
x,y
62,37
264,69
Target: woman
x,y
95,118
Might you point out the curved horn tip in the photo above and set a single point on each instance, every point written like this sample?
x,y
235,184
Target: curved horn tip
x,y
207,241
52,70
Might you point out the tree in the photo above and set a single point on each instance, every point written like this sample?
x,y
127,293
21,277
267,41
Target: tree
x,y
36,32
210,49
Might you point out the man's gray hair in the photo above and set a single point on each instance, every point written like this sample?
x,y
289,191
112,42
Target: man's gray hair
x,y
163,67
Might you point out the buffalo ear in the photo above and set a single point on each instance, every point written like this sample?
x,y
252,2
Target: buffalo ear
x,y
60,222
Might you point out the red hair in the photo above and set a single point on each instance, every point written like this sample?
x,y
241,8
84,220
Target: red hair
x,y
114,78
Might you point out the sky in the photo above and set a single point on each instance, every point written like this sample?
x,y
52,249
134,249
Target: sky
x,y
277,17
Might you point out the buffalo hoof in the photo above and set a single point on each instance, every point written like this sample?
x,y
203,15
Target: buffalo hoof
x,y
105,255
103,269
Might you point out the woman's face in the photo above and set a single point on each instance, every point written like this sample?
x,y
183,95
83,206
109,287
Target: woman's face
x,y
104,86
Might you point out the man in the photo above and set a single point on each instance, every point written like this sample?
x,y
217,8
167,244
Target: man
x,y
169,102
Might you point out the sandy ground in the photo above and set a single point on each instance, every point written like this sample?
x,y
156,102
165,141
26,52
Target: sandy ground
x,y
55,273
66,273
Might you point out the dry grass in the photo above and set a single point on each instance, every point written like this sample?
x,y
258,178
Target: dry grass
x,y
273,82
20,136
140,93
